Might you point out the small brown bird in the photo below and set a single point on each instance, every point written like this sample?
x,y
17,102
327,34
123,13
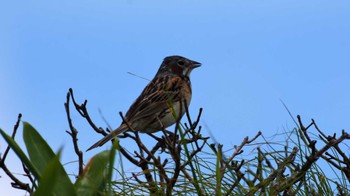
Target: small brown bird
x,y
161,102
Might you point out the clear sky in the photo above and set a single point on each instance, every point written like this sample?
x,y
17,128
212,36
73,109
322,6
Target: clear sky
x,y
254,53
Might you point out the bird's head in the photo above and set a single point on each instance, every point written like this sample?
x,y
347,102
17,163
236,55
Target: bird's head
x,y
177,65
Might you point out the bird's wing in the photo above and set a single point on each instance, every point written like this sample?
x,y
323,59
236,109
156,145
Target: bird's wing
x,y
157,96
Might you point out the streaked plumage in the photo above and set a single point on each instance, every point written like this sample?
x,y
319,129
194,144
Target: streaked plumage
x,y
152,110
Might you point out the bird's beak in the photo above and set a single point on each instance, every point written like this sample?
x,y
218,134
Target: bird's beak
x,y
196,64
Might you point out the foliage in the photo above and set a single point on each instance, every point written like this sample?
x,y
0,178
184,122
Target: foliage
x,y
184,162
47,175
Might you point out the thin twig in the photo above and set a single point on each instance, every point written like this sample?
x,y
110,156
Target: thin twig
x,y
18,184
74,134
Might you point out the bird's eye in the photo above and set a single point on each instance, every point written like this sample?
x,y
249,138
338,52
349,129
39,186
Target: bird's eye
x,y
181,63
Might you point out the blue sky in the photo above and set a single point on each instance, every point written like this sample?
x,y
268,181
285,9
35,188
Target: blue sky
x,y
253,54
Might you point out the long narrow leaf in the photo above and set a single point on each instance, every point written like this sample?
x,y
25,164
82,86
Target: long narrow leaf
x,y
19,152
41,155
51,184
39,151
111,164
95,176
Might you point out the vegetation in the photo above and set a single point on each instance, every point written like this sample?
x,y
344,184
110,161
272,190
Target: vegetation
x,y
183,162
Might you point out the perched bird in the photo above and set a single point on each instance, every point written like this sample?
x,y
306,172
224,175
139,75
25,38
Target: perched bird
x,y
162,102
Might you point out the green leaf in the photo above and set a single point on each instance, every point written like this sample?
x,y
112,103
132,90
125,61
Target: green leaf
x,y
39,151
96,174
19,152
115,146
41,155
50,181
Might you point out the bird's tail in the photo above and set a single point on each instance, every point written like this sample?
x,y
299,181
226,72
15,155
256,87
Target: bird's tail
x,y
109,137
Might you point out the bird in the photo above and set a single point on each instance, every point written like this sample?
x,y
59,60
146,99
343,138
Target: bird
x,y
162,102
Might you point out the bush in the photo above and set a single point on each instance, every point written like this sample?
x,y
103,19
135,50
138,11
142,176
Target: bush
x,y
184,162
